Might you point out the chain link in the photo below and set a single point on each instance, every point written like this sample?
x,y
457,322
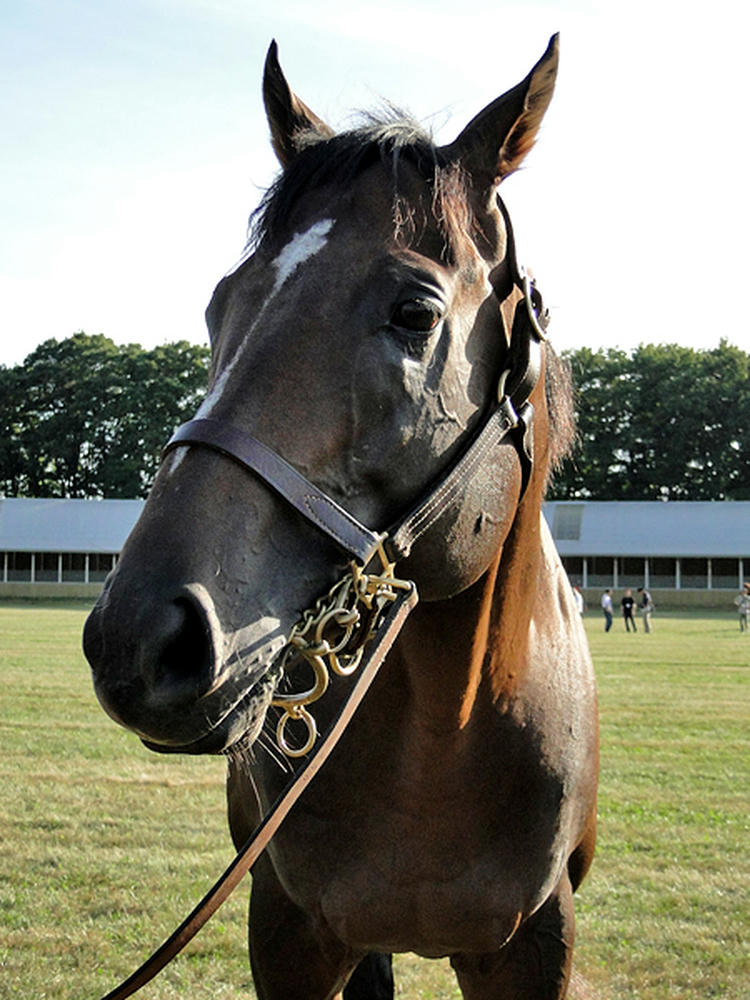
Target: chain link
x,y
331,637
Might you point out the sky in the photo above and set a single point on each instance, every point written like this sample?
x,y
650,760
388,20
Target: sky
x,y
135,148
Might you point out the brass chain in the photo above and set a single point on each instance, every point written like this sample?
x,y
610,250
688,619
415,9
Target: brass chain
x,y
331,637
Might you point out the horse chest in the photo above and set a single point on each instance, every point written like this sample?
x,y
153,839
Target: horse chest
x,y
432,906
430,873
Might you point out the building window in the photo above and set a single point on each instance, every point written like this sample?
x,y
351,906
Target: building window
x,y
724,574
601,571
573,566
693,574
45,567
566,522
19,567
73,567
662,572
631,571
99,566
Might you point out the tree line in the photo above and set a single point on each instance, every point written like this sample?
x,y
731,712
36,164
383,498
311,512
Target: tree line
x,y
84,417
662,422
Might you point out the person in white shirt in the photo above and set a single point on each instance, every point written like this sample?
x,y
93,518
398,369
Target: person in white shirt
x,y
607,609
742,602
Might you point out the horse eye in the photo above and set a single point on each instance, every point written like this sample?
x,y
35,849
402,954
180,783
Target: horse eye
x,y
417,315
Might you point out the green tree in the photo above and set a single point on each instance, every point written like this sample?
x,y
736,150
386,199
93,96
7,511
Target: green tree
x,y
726,442
88,418
67,387
160,389
602,387
11,454
662,423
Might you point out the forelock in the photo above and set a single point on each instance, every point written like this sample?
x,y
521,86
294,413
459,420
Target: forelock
x,y
390,137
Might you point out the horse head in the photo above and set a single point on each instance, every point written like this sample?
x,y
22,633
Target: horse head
x,y
361,338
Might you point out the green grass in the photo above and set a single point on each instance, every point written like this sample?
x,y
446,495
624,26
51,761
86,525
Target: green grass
x,y
666,911
106,846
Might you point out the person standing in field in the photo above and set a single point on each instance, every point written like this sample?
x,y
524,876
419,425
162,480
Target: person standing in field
x,y
607,609
742,602
628,603
647,608
578,598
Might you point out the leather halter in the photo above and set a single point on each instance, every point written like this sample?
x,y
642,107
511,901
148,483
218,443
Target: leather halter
x,y
511,414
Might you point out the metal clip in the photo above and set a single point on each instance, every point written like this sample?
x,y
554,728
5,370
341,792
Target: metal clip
x,y
504,400
355,605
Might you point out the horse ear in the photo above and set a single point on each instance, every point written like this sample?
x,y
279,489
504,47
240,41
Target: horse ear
x,y
495,143
287,115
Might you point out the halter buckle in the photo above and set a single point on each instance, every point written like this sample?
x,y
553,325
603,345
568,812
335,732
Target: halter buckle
x,y
537,312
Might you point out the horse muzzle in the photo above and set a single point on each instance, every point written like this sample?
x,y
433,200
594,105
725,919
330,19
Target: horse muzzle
x,y
176,679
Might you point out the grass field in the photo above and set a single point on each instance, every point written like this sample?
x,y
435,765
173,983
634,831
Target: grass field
x,y
105,846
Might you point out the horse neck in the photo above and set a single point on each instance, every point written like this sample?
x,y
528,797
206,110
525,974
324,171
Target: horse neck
x,y
470,650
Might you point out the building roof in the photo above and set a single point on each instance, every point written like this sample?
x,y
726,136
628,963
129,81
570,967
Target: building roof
x,y
641,528
28,525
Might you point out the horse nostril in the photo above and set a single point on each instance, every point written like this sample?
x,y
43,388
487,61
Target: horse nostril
x,y
182,659
186,643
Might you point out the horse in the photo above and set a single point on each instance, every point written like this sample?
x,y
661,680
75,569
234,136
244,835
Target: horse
x,y
379,359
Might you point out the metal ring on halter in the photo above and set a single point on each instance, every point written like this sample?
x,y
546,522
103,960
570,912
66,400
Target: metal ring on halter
x,y
345,619
349,665
297,712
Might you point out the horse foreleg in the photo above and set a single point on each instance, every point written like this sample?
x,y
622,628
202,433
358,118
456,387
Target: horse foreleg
x,y
580,860
372,979
291,956
536,962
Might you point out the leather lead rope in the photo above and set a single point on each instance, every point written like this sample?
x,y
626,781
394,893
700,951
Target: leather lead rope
x,y
394,619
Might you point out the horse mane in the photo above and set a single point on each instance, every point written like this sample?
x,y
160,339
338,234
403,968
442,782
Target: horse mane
x,y
392,137
558,388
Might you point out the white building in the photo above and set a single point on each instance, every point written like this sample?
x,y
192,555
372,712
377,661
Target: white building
x,y
690,553
61,547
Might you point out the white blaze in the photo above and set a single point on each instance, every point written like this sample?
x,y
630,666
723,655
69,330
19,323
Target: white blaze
x,y
300,248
